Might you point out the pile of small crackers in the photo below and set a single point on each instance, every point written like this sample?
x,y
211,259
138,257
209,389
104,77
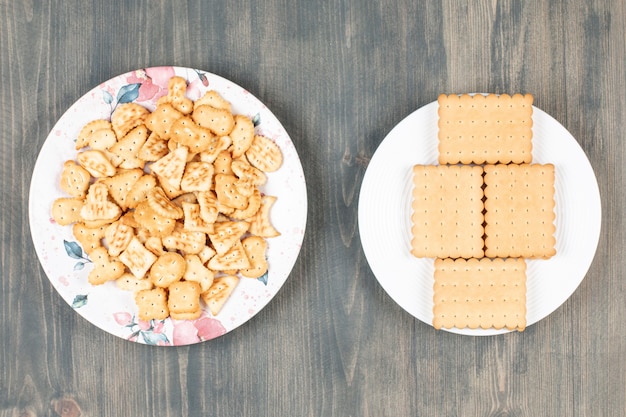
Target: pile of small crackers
x,y
167,204
483,211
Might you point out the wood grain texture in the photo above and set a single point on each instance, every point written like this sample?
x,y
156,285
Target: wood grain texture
x,y
338,75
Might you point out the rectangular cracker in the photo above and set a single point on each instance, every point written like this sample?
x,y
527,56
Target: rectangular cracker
x,y
485,129
519,211
447,211
480,293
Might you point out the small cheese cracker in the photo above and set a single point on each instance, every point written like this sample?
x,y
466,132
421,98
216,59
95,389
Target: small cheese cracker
x,y
74,179
126,117
234,259
519,210
176,89
129,282
153,149
171,167
152,304
89,238
447,218
118,236
121,184
96,163
213,99
161,119
167,269
219,293
242,135
255,247
264,154
137,258
105,268
197,272
198,176
86,131
226,234
481,293
184,297
66,210
218,121
261,223
485,129
156,224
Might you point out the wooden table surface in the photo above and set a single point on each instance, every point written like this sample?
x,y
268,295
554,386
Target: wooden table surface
x,y
339,75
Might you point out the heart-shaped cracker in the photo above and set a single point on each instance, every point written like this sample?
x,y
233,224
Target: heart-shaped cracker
x,y
89,238
105,269
97,205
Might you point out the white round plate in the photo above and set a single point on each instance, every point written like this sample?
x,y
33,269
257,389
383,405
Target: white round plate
x,y
385,217
112,309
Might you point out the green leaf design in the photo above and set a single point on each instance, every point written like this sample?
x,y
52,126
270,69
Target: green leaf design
x,y
128,93
263,278
107,97
152,338
79,301
79,266
256,120
73,250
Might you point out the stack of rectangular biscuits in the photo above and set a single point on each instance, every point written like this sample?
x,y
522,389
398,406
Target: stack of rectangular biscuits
x,y
482,211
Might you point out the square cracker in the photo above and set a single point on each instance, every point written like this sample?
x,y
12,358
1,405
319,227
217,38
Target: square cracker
x,y
485,129
447,211
519,211
480,293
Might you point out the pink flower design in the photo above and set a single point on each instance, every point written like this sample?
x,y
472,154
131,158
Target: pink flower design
x,y
185,333
153,82
193,331
209,328
123,318
144,325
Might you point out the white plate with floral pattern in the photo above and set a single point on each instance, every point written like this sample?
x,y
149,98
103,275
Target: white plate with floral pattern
x,y
67,265
385,217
